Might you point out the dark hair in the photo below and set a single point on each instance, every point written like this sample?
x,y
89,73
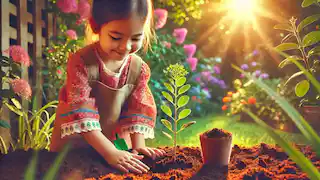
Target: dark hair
x,y
104,11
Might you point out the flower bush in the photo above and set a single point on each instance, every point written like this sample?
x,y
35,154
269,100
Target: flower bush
x,y
174,47
249,95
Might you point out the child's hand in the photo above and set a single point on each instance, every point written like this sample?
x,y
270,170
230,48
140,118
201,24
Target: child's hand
x,y
127,162
151,152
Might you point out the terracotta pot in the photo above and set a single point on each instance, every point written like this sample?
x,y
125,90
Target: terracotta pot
x,y
216,150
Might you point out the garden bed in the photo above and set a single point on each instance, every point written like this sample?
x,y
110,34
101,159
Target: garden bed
x,y
259,162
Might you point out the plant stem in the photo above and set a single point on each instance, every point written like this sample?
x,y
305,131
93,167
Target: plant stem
x,y
3,144
175,122
301,47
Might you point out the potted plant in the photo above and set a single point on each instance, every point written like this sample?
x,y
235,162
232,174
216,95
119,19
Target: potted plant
x,y
216,146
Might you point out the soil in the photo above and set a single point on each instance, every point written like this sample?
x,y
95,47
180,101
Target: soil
x,y
217,133
262,162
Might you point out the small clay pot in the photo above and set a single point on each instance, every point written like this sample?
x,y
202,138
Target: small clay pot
x,y
216,146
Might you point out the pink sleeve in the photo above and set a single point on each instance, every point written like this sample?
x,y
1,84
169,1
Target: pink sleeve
x,y
139,113
83,114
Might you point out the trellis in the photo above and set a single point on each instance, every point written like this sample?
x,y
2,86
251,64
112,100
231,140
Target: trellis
x,y
26,23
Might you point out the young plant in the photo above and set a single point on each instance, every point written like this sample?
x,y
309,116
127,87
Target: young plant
x,y
305,46
176,87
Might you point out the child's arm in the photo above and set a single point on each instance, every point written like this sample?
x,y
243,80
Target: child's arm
x,y
100,143
137,140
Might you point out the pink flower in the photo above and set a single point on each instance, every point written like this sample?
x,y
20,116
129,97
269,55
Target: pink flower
x,y
190,49
21,87
206,74
72,34
19,55
59,71
193,63
162,16
68,6
198,79
180,35
166,44
84,9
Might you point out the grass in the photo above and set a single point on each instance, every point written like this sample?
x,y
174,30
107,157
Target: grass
x,y
244,134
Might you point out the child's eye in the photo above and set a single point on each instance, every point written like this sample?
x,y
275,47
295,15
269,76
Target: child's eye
x,y
114,38
135,39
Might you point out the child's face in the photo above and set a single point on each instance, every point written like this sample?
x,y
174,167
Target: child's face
x,y
119,38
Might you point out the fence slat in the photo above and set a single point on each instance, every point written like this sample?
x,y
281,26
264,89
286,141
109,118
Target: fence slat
x,y
37,53
22,39
4,44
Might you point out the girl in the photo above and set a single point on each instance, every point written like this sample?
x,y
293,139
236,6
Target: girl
x,y
106,91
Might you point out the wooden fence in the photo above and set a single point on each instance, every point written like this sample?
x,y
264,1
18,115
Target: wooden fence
x,y
26,23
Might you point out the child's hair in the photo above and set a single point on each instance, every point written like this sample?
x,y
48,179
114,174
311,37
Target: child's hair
x,y
104,11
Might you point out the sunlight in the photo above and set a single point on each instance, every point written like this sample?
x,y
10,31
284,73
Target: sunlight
x,y
242,9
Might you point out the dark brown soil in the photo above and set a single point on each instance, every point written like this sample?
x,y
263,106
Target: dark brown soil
x,y
217,133
263,162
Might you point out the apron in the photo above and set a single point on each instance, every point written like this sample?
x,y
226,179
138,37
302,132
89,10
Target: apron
x,y
109,102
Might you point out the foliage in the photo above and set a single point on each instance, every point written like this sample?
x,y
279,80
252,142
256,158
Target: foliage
x,y
305,49
182,11
248,95
34,128
57,56
52,171
176,87
301,123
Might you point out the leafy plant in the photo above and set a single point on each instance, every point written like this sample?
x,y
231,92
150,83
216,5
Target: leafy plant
x,y
34,128
309,133
182,11
176,87
52,172
57,56
305,49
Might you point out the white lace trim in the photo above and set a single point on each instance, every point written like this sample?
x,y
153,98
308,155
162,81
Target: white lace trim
x,y
79,126
146,130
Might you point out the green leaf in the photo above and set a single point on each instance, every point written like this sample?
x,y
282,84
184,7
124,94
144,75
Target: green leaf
x,y
16,103
4,124
30,173
181,81
314,51
169,87
287,46
307,21
309,133
302,88
307,3
167,124
168,135
54,169
311,38
14,109
289,61
183,100
285,27
167,96
184,113
166,109
294,154
184,89
184,126
294,76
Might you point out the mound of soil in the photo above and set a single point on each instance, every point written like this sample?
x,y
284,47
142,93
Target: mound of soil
x,y
263,162
218,133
